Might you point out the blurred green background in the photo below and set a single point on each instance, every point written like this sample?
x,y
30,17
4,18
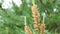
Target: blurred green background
x,y
12,20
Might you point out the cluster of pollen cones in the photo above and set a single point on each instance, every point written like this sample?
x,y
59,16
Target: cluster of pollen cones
x,y
36,19
36,16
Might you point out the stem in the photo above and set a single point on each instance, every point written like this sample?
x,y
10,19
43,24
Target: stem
x,y
33,2
25,20
43,19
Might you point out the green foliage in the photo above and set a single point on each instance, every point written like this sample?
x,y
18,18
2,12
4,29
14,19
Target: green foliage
x,y
12,19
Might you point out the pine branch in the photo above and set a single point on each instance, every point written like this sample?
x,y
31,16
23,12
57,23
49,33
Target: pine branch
x,y
44,6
